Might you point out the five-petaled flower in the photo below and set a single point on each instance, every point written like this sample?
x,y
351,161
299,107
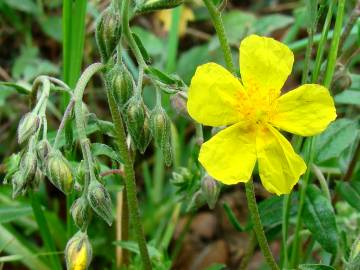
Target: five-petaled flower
x,y
254,110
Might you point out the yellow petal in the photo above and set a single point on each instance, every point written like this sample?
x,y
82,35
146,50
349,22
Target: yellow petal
x,y
230,155
214,95
265,65
305,111
279,166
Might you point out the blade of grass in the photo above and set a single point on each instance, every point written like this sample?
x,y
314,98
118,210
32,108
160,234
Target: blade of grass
x,y
45,232
14,245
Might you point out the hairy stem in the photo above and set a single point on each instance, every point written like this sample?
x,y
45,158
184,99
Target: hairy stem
x,y
257,226
220,31
129,177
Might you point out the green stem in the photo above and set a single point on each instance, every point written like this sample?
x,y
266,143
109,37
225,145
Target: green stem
x,y
257,226
322,43
80,118
330,68
127,33
285,229
303,187
44,231
220,31
129,178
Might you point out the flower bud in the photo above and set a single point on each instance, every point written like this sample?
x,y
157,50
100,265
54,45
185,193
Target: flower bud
x,y
39,176
197,201
145,136
19,184
211,190
43,148
28,125
80,212
108,31
342,79
28,165
78,252
153,5
161,130
179,104
59,172
136,116
121,84
100,201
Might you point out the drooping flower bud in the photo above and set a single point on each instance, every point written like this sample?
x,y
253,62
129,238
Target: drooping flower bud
x,y
28,165
121,84
108,31
145,136
12,165
136,117
81,212
43,148
211,190
28,125
18,184
39,176
342,79
100,201
78,252
153,5
179,104
59,172
161,130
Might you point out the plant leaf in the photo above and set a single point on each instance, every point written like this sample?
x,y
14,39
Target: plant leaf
x,y
338,137
99,149
319,218
10,213
350,192
315,267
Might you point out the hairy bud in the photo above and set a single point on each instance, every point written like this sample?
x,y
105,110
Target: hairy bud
x,y
81,212
80,173
179,104
121,84
108,31
28,165
161,129
39,176
78,252
153,5
18,184
59,172
342,79
211,190
28,125
100,201
43,149
137,122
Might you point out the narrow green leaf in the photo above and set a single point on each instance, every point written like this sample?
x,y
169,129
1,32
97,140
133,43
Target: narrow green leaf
x,y
315,267
134,247
99,149
162,76
232,218
319,218
14,245
350,192
11,213
351,97
141,46
16,87
216,266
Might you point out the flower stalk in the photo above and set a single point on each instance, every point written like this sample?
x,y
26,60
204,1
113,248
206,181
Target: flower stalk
x,y
257,226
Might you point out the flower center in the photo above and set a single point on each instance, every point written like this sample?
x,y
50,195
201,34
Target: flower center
x,y
256,107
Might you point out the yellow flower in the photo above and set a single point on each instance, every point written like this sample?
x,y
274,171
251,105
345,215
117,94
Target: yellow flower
x,y
254,110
